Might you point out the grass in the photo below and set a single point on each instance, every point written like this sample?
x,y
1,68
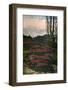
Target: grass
x,y
50,68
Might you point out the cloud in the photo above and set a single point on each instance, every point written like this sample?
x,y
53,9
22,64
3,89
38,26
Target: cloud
x,y
34,25
33,32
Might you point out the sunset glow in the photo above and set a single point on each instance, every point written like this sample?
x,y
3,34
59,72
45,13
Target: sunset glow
x,y
34,26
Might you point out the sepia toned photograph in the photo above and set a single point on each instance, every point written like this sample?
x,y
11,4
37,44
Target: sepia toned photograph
x,y
39,44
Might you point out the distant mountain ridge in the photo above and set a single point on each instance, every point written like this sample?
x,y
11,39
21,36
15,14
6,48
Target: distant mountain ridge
x,y
39,39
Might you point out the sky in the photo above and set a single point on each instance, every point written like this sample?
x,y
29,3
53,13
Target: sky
x,y
34,25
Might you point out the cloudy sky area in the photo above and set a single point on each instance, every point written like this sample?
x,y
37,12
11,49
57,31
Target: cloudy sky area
x,y
34,25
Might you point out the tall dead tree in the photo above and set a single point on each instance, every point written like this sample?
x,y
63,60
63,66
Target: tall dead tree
x,y
47,24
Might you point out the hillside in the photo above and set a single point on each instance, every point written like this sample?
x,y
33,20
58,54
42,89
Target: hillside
x,y
39,54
